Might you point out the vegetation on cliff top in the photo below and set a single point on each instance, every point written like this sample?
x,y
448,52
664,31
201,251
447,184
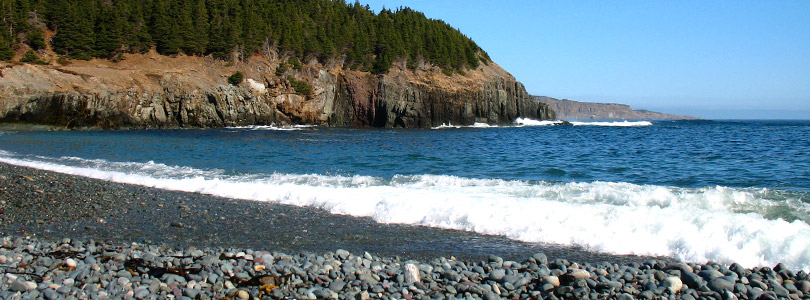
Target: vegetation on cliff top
x,y
305,29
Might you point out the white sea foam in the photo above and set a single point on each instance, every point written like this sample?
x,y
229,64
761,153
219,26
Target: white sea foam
x,y
273,127
614,123
525,122
521,122
529,122
715,223
474,125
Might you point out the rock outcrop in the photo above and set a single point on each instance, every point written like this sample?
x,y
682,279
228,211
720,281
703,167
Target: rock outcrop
x,y
575,110
153,91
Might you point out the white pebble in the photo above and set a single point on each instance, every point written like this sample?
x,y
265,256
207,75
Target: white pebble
x,y
123,281
229,285
411,274
674,284
242,294
69,282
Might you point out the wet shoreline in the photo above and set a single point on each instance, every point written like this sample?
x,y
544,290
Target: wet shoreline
x,y
74,237
53,206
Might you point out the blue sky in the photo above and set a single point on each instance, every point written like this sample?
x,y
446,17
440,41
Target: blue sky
x,y
711,59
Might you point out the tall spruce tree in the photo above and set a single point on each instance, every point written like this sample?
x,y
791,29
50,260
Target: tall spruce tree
x,y
305,29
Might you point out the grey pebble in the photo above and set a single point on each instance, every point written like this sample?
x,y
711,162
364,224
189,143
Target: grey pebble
x,y
720,285
497,274
50,294
337,285
342,275
20,285
142,293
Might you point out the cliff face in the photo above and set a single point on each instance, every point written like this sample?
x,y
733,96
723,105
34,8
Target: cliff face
x,y
575,110
153,91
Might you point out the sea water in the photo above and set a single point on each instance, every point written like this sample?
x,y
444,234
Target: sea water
x,y
723,191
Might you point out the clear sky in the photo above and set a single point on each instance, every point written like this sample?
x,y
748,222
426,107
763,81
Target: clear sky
x,y
711,59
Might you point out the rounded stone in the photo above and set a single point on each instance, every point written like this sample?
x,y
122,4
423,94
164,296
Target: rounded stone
x,y
553,280
411,274
20,285
720,285
803,286
497,274
337,285
579,274
673,284
70,263
540,258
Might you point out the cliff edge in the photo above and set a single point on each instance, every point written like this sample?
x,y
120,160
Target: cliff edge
x,y
575,110
155,91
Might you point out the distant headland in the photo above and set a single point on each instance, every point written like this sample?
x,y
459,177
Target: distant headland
x,y
576,110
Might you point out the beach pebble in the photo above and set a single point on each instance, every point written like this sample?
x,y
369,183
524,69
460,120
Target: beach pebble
x,y
720,285
210,274
141,293
553,280
579,274
20,285
342,254
337,285
673,284
411,274
70,263
691,279
497,274
50,294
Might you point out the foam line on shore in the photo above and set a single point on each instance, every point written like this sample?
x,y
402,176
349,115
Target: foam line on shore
x,y
524,122
614,123
273,127
474,125
707,224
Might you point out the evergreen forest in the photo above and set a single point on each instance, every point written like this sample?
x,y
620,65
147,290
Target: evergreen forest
x,y
228,29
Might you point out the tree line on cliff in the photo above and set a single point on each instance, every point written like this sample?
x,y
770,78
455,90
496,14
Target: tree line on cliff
x,y
305,29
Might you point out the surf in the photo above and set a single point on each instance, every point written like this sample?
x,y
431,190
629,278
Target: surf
x,y
720,224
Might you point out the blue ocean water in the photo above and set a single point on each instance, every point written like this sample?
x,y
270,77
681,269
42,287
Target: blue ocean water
x,y
697,190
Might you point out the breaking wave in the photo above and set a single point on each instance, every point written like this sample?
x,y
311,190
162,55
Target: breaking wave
x,y
614,123
720,224
273,127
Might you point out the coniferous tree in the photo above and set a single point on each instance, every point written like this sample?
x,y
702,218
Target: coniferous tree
x,y
6,34
200,32
304,29
6,52
164,28
74,32
107,32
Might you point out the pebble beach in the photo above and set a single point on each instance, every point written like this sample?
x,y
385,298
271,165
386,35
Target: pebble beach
x,y
68,237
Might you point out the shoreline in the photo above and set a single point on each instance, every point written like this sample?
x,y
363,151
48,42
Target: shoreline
x,y
54,206
70,236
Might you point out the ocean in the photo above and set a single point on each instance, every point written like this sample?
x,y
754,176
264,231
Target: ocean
x,y
722,191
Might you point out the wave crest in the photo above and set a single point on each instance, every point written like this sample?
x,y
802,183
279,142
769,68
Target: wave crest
x,y
720,224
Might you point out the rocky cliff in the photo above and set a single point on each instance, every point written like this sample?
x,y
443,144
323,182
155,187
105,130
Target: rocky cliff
x,y
575,110
154,91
